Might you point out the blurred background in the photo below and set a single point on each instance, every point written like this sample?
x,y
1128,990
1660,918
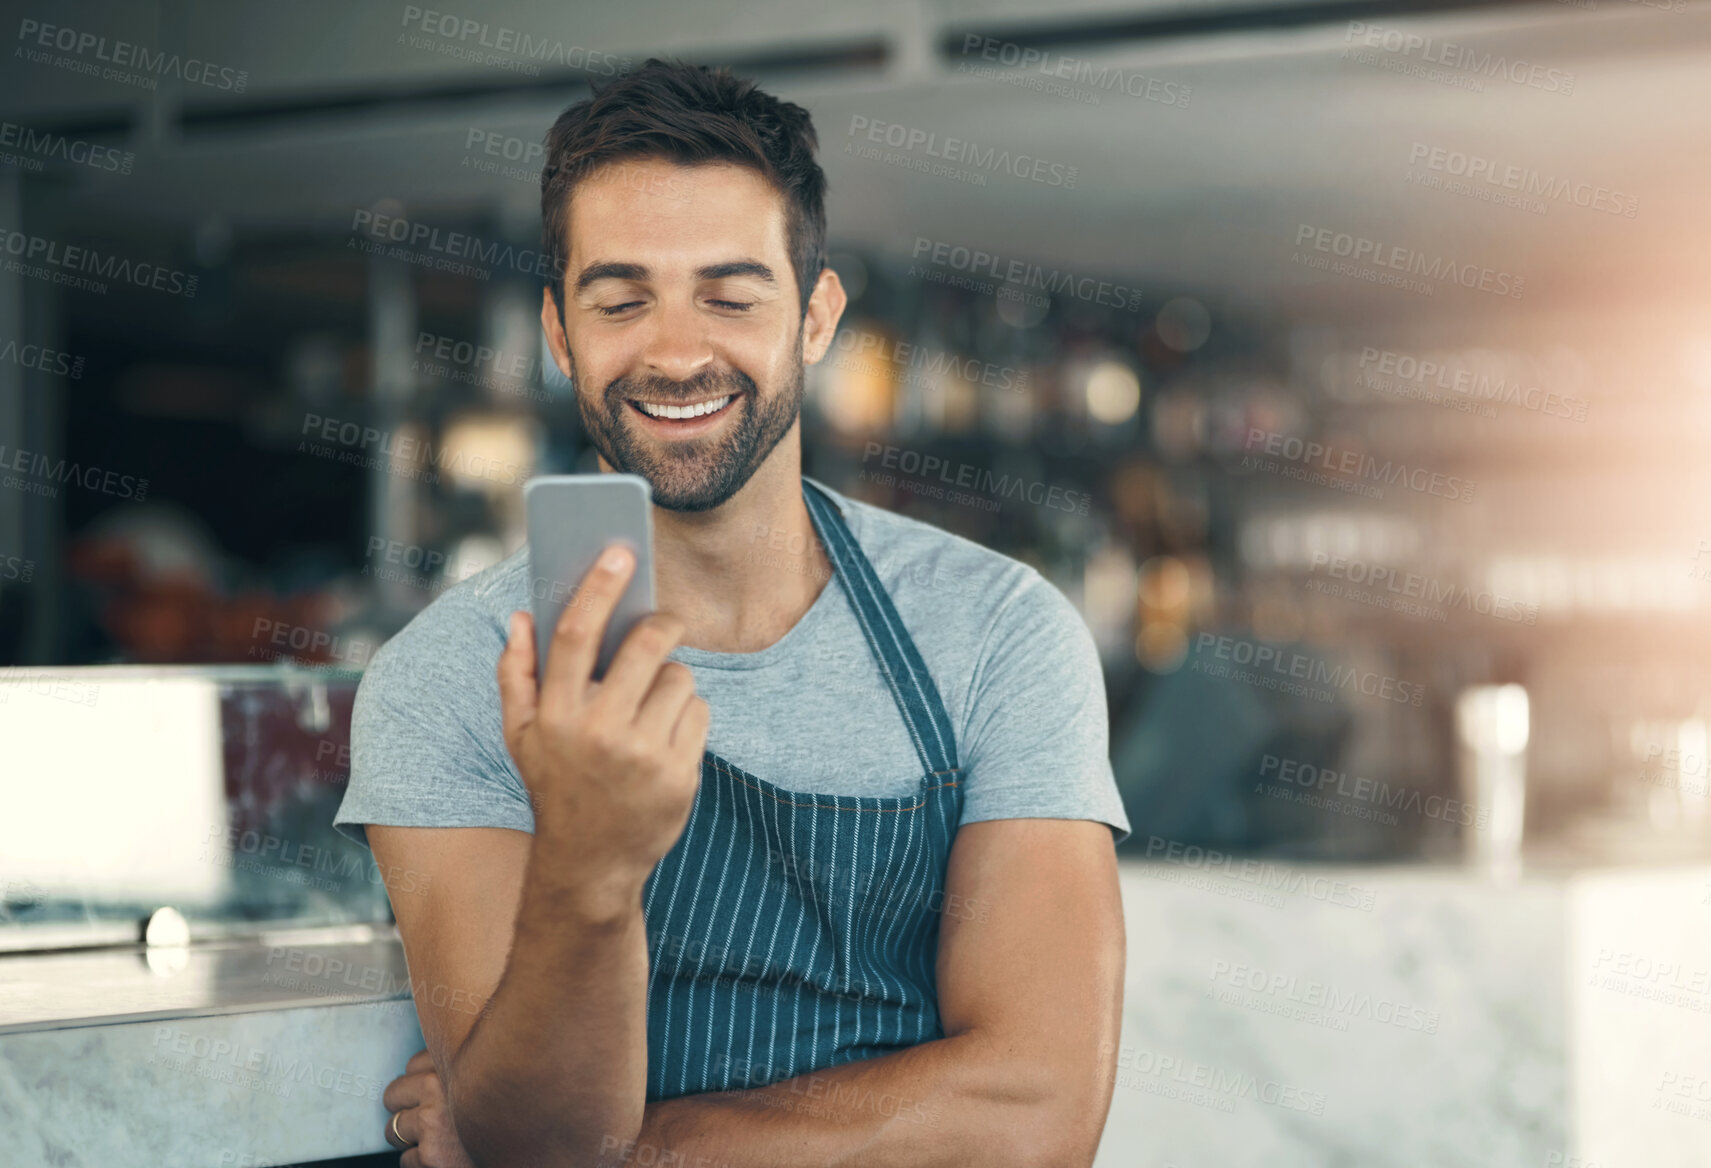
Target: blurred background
x,y
1346,363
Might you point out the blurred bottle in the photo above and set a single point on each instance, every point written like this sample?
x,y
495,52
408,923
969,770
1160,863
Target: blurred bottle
x,y
1492,724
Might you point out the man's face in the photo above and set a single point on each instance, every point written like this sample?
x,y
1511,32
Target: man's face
x,y
681,327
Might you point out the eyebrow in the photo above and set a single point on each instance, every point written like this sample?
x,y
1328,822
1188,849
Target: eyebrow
x,y
615,270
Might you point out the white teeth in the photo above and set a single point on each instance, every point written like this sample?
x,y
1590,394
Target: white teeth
x,y
694,411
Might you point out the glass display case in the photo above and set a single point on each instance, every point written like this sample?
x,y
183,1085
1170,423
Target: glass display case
x,y
208,792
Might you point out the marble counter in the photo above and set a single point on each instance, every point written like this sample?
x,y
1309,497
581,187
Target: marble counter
x,y
1273,1015
1371,1017
235,1056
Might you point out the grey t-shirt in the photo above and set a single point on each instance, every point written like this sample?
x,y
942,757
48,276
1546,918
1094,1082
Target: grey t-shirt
x,y
1013,660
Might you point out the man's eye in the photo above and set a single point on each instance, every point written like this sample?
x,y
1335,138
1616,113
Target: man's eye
x,y
735,305
615,309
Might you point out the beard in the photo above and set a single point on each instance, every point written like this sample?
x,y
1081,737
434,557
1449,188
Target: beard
x,y
695,474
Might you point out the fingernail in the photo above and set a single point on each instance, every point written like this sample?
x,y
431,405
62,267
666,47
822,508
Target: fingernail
x,y
614,558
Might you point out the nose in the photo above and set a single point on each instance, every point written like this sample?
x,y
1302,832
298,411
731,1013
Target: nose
x,y
677,346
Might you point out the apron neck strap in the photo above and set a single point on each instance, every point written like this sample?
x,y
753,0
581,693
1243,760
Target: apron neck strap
x,y
899,661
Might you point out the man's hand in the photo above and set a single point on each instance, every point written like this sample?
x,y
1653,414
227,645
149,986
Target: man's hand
x,y
423,1118
615,762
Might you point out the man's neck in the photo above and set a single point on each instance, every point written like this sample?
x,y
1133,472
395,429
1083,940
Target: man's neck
x,y
741,575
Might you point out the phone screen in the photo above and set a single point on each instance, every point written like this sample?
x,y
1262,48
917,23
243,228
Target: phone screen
x,y
571,519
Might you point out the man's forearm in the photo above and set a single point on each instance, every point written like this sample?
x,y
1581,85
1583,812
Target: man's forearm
x,y
557,1064
956,1101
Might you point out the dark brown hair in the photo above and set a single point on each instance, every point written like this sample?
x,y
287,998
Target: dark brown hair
x,y
688,114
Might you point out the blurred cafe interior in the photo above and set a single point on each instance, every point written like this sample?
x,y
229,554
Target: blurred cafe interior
x,y
1346,364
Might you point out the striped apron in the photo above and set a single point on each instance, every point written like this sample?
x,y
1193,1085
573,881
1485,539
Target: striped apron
x,y
789,931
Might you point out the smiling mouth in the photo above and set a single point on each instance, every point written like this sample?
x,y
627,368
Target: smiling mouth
x,y
684,413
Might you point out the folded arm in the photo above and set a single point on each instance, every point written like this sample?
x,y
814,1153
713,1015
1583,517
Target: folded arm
x,y
1030,976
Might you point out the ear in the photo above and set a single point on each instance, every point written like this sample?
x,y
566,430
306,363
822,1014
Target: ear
x,y
825,309
554,329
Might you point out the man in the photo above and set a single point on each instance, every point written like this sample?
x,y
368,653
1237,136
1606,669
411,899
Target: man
x,y
822,871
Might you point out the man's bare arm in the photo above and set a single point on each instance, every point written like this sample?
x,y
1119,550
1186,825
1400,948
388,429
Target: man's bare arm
x,y
508,982
1030,979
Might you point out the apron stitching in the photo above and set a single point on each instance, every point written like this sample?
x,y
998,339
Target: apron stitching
x,y
790,962
899,926
871,930
689,1013
771,949
730,938
653,974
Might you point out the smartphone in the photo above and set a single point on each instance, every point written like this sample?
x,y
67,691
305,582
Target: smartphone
x,y
571,519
